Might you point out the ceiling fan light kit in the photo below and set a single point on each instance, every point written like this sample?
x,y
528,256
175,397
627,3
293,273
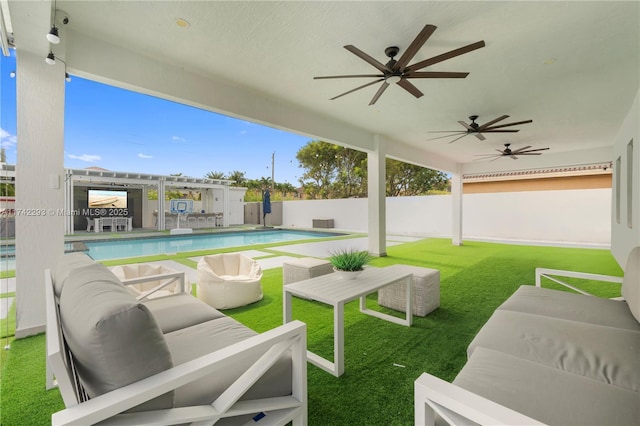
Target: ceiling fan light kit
x,y
399,71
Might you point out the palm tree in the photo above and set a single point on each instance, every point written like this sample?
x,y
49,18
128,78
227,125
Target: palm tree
x,y
214,175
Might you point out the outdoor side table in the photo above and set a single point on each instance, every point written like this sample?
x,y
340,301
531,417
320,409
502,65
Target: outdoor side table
x,y
334,290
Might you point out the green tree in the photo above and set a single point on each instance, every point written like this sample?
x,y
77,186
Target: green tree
x,y
351,174
332,171
214,175
318,158
238,177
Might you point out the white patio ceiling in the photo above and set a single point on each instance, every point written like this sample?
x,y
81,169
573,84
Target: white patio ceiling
x,y
571,67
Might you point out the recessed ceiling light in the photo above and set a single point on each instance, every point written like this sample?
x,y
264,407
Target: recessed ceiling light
x,y
550,61
182,23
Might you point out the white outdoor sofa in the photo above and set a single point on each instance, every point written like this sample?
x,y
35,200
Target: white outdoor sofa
x,y
547,357
167,360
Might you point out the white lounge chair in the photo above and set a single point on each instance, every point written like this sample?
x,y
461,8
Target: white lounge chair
x,y
229,280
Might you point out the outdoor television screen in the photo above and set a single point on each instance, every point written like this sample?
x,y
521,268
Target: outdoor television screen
x,y
103,199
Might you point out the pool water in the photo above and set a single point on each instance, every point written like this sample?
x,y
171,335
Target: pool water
x,y
104,250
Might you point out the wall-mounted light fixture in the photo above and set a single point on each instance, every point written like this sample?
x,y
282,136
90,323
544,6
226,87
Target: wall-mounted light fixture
x,y
50,59
12,74
53,36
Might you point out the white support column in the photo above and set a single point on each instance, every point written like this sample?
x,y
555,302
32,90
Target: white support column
x,y
161,205
226,207
145,206
456,199
68,198
376,170
40,219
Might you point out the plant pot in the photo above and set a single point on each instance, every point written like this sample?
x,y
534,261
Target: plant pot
x,y
347,275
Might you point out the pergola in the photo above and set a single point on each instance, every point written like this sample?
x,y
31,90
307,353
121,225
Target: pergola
x,y
103,178
108,179
571,67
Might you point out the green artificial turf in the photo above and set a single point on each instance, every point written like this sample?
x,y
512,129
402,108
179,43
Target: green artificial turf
x,y
382,359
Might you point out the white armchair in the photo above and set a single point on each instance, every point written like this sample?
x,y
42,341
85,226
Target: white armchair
x,y
229,280
147,281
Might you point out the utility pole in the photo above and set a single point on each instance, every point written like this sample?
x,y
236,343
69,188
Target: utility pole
x,y
273,174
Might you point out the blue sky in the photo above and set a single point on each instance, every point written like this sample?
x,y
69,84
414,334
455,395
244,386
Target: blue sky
x,y
125,131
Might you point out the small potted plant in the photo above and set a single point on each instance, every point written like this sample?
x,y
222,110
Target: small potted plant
x,y
349,262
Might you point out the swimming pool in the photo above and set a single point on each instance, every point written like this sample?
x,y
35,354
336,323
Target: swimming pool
x,y
116,249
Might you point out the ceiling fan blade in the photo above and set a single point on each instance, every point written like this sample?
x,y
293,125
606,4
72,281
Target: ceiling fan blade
x,y
372,61
521,149
357,88
415,45
493,157
512,124
533,150
349,76
445,56
409,87
500,151
467,126
465,134
489,123
436,74
447,131
513,157
446,136
479,136
379,93
499,131
530,153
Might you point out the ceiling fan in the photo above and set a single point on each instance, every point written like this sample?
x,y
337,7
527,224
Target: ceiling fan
x,y
508,152
479,129
399,71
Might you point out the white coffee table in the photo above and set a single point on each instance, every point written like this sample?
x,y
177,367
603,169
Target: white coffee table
x,y
336,291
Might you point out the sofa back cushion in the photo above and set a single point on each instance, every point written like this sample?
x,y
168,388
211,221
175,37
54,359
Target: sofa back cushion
x,y
631,283
114,339
65,266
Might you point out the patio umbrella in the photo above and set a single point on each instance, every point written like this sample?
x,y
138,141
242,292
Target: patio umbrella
x,y
266,206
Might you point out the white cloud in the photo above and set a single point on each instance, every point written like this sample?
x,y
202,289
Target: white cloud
x,y
178,139
7,140
141,155
85,157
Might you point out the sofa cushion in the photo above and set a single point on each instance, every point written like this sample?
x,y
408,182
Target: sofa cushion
x,y
114,339
65,266
180,311
571,306
546,394
606,354
631,283
192,342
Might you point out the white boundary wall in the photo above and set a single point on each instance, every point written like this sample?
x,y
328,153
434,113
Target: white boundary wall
x,y
580,217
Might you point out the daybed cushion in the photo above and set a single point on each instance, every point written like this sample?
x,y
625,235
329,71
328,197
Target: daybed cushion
x,y
180,311
548,395
607,354
114,338
65,266
190,343
571,306
631,283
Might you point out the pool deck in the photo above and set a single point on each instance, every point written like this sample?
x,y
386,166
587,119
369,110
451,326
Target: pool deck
x,y
266,259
